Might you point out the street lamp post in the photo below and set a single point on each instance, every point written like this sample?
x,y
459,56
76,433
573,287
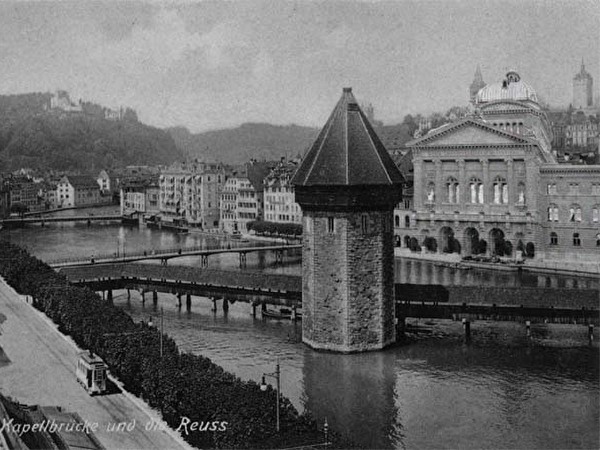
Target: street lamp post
x,y
162,314
263,386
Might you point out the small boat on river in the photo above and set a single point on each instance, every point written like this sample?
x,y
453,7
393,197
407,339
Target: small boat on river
x,y
282,314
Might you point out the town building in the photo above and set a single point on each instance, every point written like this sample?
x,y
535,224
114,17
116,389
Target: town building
x,y
77,190
104,182
347,186
583,89
242,199
140,195
280,205
491,183
190,193
60,101
24,194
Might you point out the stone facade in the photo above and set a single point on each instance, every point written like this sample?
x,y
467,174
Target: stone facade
x,y
347,186
491,184
570,202
348,281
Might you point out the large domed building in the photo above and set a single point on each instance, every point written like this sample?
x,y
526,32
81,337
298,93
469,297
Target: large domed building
x,y
490,184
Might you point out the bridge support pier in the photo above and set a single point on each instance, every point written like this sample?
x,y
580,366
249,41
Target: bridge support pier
x,y
253,309
109,296
467,326
179,300
143,297
188,302
225,305
400,326
214,308
128,294
154,298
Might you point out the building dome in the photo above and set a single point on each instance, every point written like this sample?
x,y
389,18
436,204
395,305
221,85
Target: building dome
x,y
512,88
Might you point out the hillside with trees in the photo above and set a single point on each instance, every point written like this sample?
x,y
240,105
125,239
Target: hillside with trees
x,y
34,135
260,141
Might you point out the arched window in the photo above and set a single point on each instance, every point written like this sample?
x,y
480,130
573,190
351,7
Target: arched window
x,y
552,213
407,221
500,191
521,193
575,213
475,190
598,240
553,238
576,240
431,193
453,190
595,214
396,221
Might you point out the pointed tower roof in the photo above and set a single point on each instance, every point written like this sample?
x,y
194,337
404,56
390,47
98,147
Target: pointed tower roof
x,y
347,152
478,77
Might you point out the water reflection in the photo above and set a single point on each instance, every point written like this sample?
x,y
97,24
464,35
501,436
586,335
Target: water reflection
x,y
354,392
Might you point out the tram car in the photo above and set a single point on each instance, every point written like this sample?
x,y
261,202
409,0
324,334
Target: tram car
x,y
91,373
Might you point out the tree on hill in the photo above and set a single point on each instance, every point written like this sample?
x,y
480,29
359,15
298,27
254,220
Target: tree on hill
x,y
32,137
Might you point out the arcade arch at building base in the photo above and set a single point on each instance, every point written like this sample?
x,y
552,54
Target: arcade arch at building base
x,y
470,239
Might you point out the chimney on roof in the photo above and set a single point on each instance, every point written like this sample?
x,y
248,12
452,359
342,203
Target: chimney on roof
x,y
347,90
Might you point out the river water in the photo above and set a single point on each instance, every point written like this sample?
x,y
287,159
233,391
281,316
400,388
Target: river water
x,y
499,392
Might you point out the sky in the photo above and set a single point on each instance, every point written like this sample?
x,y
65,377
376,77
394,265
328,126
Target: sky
x,y
216,64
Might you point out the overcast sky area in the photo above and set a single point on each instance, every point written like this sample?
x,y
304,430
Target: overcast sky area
x,y
217,64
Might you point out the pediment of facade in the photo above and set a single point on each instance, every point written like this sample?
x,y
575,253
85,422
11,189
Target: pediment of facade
x,y
468,133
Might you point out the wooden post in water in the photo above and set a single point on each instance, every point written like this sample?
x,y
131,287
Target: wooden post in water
x,y
253,309
188,302
294,313
143,297
179,300
154,298
528,327
214,308
225,305
591,333
467,326
128,295
109,296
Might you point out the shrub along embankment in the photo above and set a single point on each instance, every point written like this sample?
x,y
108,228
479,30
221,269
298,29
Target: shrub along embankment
x,y
178,384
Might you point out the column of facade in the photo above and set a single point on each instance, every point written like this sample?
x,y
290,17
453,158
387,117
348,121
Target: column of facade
x,y
485,165
510,181
440,193
462,182
418,185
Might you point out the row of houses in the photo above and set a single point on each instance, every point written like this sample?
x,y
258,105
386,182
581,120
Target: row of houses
x,y
22,192
210,195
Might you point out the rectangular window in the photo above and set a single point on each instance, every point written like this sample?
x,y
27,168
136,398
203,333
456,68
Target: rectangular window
x,y
573,188
364,224
330,225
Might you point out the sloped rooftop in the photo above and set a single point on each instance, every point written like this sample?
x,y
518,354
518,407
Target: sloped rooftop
x,y
347,152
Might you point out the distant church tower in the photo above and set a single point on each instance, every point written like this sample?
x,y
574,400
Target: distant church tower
x,y
476,85
582,89
347,186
